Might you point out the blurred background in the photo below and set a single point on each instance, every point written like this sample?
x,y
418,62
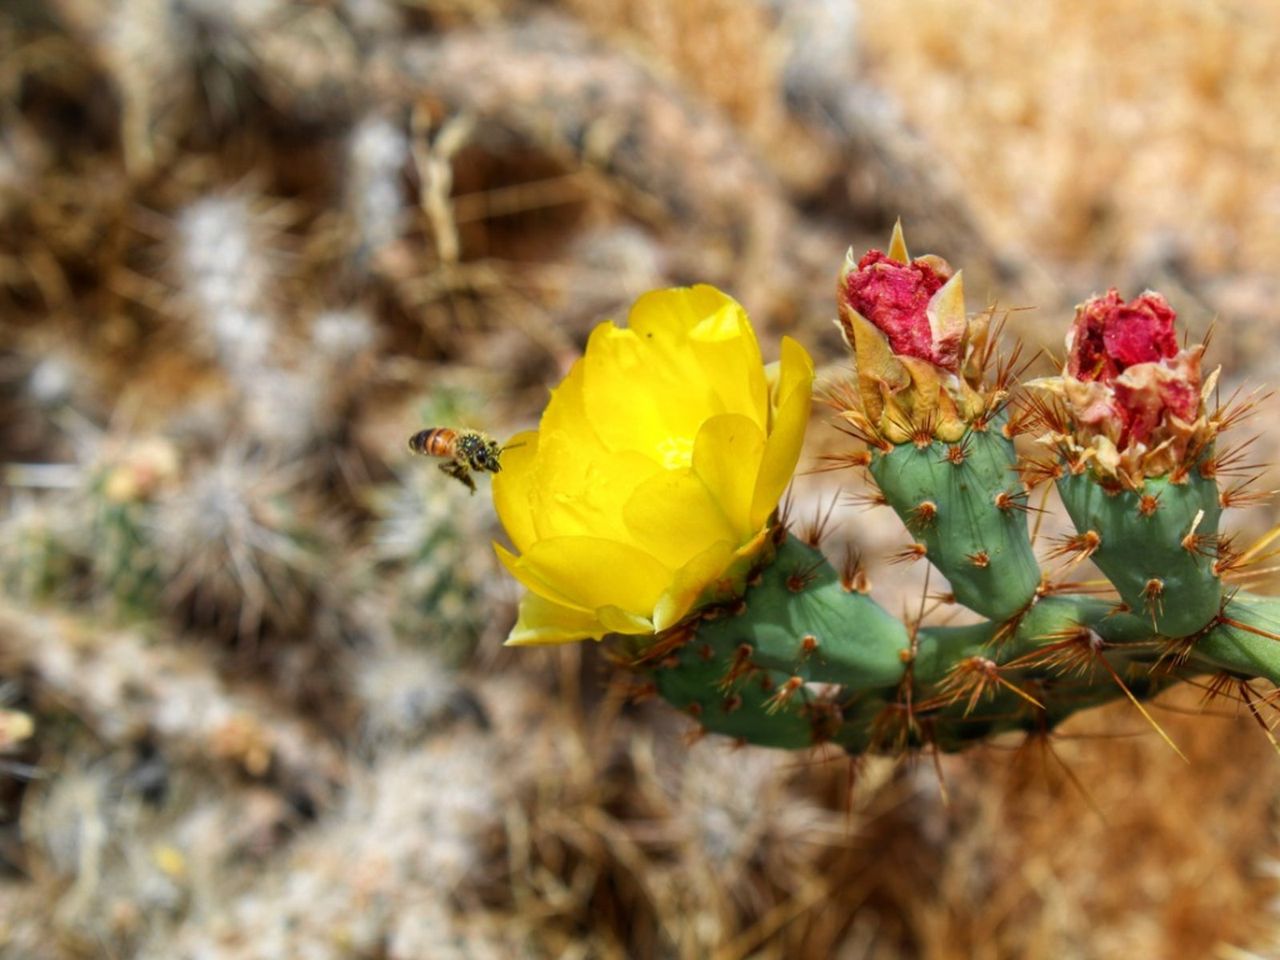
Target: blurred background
x,y
253,698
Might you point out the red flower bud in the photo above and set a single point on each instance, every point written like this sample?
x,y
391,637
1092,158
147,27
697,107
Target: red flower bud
x,y
1133,395
1110,335
895,298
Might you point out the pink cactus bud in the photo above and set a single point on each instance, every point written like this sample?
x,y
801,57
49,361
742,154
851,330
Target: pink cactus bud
x,y
1130,390
1110,335
895,297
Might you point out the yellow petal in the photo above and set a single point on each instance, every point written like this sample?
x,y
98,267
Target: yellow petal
x,y
726,456
690,581
589,573
794,369
674,516
786,437
643,396
541,621
579,490
578,483
513,488
713,329
534,584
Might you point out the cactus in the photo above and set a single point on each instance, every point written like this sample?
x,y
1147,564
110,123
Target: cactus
x,y
783,650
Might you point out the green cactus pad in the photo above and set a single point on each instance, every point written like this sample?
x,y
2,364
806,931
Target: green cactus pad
x,y
797,623
1161,567
950,498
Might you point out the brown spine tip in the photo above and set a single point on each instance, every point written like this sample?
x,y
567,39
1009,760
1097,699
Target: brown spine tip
x,y
1153,596
956,454
1148,504
784,694
910,553
924,513
732,702
808,644
1077,548
853,576
980,559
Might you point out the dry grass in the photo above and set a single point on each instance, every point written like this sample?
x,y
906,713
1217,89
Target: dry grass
x,y
1092,131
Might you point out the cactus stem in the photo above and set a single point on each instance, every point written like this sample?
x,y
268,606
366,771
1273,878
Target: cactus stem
x,y
732,702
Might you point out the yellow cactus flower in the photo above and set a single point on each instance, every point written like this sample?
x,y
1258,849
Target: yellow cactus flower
x,y
654,470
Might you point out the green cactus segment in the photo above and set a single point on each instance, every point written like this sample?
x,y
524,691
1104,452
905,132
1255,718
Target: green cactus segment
x,y
1157,546
746,709
800,661
796,625
1246,639
801,621
964,502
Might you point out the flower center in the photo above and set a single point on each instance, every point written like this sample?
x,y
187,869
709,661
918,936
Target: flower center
x,y
676,452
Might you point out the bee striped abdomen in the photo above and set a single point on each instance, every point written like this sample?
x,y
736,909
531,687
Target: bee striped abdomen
x,y
434,442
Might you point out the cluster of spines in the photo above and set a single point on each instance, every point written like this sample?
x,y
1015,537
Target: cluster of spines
x,y
1051,646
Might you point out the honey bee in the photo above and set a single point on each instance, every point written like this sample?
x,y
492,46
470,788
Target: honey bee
x,y
466,450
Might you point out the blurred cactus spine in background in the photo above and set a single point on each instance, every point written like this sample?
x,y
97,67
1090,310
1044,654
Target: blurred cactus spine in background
x,y
794,653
